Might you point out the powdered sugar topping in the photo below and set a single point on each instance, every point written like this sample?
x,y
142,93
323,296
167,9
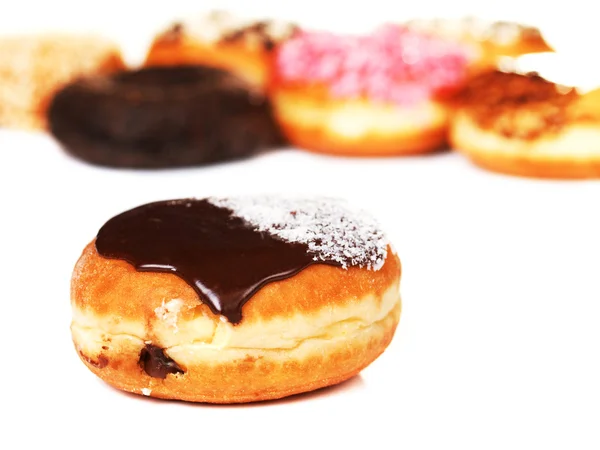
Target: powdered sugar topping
x,y
393,64
332,231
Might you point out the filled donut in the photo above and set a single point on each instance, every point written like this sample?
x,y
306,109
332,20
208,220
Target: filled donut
x,y
523,124
229,300
162,117
34,67
225,40
488,41
366,95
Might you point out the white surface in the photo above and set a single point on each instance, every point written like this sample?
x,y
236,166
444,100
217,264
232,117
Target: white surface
x,y
497,346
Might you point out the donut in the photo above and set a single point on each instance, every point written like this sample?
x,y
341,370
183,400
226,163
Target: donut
x,y
377,94
234,300
224,40
161,117
489,41
523,124
33,67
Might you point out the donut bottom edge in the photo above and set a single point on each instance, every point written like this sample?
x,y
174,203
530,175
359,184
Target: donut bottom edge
x,y
249,375
573,153
358,127
321,141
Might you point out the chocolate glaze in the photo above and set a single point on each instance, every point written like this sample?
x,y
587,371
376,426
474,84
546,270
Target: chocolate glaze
x,y
162,117
156,364
219,255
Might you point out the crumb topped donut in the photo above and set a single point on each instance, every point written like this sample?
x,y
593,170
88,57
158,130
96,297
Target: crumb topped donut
x,y
34,67
523,124
368,95
488,40
225,40
230,300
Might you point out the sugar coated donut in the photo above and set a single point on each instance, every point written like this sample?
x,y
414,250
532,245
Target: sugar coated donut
x,y
488,40
523,124
162,117
369,95
33,67
230,300
225,40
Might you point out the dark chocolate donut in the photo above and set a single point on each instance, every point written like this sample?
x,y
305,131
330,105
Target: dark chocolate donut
x,y
162,117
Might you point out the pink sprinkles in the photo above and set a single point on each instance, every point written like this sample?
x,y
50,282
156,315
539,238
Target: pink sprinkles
x,y
393,64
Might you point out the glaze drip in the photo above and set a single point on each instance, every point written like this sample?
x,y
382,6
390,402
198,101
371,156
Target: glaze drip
x,y
225,251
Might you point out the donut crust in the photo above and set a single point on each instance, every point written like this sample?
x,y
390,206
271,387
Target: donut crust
x,y
312,120
318,328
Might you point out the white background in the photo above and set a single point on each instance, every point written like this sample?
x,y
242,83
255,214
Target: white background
x,y
499,340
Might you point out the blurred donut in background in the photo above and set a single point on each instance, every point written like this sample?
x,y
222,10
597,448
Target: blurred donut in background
x,y
523,124
224,40
161,117
376,94
488,40
34,67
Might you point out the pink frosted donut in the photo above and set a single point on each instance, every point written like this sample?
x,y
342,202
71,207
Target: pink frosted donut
x,y
367,94
393,64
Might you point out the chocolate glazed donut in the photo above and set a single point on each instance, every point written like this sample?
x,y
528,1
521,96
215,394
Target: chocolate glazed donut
x,y
162,117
